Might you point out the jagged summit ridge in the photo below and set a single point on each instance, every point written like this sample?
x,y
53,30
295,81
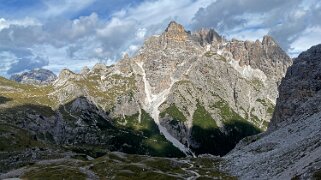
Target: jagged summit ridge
x,y
175,33
269,41
207,36
174,27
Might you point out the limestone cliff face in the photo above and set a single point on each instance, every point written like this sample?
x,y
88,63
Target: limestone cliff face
x,y
291,147
179,74
300,89
175,33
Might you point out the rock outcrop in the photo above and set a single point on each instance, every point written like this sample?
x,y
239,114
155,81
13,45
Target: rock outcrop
x,y
291,148
175,33
300,89
36,77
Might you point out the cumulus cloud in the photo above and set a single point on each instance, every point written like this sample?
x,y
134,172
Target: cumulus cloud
x,y
72,34
310,36
23,22
127,28
7,59
86,40
56,8
286,21
27,63
19,60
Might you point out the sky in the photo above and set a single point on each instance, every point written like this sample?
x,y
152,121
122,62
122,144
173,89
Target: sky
x,y
57,34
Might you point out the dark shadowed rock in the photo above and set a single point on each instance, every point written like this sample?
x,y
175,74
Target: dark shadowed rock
x,y
291,148
207,36
300,94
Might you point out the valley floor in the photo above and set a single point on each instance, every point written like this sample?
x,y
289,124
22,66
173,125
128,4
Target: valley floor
x,y
117,165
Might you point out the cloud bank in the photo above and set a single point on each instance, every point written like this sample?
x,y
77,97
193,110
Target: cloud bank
x,y
72,34
289,22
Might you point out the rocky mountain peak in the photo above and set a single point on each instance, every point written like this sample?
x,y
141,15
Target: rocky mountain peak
x,y
85,70
265,55
175,32
175,27
269,41
65,74
36,77
207,36
99,67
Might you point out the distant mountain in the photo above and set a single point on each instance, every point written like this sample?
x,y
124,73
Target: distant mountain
x,y
36,76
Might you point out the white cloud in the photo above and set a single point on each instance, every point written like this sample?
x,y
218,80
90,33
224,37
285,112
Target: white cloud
x,y
248,34
7,59
56,8
284,20
310,37
89,39
127,28
50,40
5,24
141,32
153,12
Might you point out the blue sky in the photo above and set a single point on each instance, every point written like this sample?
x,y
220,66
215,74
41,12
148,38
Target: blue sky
x,y
56,34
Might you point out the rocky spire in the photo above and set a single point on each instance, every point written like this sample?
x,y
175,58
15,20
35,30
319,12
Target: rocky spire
x,y
85,70
175,32
268,41
206,36
65,74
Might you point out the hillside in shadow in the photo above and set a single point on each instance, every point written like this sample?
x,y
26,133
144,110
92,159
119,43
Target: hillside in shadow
x,y
4,100
83,127
216,142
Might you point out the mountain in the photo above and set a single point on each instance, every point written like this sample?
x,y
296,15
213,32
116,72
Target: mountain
x,y
36,76
182,94
291,148
203,85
